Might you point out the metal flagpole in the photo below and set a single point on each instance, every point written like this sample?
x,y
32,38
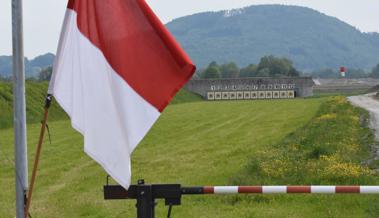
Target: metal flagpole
x,y
19,108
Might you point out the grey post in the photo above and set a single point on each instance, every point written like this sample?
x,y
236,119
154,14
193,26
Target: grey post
x,y
19,108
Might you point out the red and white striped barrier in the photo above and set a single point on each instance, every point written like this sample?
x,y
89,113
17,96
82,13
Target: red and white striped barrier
x,y
291,189
172,193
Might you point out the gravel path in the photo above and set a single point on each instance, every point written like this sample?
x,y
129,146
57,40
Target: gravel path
x,y
370,104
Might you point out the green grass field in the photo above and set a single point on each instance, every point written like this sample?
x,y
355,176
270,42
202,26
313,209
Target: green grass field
x,y
197,143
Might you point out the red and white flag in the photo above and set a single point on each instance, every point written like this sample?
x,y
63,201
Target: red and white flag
x,y
117,68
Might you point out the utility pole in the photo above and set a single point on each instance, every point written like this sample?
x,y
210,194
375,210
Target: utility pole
x,y
21,171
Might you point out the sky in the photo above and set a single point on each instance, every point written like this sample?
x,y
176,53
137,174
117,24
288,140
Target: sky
x,y
43,18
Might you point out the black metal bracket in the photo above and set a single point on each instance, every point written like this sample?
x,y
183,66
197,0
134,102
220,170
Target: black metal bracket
x,y
146,196
48,100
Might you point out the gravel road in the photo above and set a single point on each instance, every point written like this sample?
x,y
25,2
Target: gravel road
x,y
370,104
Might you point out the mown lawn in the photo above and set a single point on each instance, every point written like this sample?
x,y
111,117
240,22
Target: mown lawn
x,y
200,143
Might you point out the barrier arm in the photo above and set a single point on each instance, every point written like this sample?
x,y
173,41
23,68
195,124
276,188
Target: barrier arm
x,y
146,195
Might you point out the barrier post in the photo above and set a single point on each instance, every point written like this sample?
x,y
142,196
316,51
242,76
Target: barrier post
x,y
146,196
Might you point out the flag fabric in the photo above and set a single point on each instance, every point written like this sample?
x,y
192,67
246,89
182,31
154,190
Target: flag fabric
x,y
116,69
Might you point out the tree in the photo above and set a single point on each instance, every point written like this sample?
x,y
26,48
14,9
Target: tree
x,y
264,72
45,74
230,70
333,73
214,64
326,73
276,67
249,71
356,73
6,79
211,73
375,71
293,72
269,66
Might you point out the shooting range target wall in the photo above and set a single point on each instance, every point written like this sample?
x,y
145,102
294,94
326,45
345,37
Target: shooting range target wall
x,y
252,88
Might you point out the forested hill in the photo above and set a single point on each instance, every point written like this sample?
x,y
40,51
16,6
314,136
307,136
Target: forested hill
x,y
311,39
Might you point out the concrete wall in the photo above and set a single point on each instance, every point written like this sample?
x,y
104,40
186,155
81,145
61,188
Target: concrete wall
x,y
303,86
346,85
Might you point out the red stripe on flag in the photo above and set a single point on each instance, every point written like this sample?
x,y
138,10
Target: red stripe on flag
x,y
177,53
137,46
70,4
250,189
208,190
348,189
298,189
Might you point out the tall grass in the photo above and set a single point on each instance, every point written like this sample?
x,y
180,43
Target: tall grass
x,y
330,149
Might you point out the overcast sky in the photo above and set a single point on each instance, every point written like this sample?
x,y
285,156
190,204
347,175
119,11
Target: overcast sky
x,y
43,18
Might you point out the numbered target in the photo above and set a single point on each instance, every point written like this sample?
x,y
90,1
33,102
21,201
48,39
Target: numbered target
x,y
276,94
254,95
283,94
239,95
218,96
268,94
291,94
261,94
211,96
247,95
232,95
225,96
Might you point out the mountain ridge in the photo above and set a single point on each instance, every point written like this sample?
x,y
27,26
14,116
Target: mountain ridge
x,y
32,67
310,38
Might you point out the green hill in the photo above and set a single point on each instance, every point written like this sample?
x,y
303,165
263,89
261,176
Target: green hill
x,y
311,39
35,98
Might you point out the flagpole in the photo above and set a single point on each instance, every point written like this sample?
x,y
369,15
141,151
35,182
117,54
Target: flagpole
x,y
21,171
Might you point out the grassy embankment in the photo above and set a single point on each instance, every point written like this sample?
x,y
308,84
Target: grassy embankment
x,y
213,143
328,150
35,98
